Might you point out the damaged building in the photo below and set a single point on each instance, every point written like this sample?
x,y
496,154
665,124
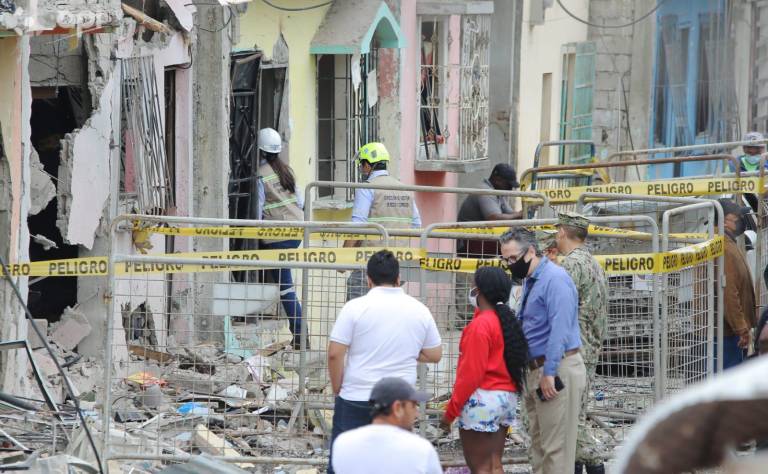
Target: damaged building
x,y
96,120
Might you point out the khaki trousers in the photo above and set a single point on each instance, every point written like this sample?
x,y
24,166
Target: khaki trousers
x,y
553,425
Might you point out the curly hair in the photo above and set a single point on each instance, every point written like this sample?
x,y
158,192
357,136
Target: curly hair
x,y
494,284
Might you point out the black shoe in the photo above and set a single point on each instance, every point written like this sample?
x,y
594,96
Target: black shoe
x,y
579,468
596,469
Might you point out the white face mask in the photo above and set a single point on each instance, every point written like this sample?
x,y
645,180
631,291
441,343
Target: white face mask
x,y
472,297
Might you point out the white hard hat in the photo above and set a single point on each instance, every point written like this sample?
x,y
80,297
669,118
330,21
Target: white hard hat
x,y
754,137
270,141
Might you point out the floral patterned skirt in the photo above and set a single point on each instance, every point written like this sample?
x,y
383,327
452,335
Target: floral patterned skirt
x,y
488,410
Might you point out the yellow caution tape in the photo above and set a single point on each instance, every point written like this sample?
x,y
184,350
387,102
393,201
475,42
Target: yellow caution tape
x,y
297,233
672,187
631,264
662,262
97,266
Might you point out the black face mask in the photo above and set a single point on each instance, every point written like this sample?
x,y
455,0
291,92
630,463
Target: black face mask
x,y
519,269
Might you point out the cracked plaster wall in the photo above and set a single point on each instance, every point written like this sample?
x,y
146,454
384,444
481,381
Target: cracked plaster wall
x,y
15,112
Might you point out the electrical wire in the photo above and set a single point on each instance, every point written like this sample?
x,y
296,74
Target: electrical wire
x,y
596,25
297,9
64,378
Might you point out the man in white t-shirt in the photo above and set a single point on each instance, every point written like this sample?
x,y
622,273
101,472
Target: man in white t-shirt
x,y
382,334
387,445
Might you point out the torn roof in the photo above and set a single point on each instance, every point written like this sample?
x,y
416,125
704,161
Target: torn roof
x,y
350,26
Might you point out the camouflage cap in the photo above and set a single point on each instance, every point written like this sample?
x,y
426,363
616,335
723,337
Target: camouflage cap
x,y
573,219
546,238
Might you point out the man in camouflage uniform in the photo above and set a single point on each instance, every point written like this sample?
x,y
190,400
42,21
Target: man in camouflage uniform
x,y
590,281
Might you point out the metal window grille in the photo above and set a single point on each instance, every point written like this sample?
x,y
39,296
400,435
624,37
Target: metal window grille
x,y
346,118
453,96
145,135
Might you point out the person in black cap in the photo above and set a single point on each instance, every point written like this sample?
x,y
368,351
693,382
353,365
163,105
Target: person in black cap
x,y
476,208
739,302
387,445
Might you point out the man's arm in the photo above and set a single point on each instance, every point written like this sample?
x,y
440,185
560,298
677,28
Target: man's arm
x,y
734,313
492,211
416,218
432,348
336,354
562,302
432,355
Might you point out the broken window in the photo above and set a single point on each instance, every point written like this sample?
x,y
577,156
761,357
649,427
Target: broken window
x,y
347,116
258,100
147,168
453,87
56,111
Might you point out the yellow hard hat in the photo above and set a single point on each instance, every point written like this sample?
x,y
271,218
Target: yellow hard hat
x,y
373,152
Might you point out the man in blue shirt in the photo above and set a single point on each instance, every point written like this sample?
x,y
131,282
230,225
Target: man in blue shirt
x,y
549,312
392,208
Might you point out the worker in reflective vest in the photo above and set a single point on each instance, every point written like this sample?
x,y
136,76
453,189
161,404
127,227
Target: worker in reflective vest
x,y
392,208
279,200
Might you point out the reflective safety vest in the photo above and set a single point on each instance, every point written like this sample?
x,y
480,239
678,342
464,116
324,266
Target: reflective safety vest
x,y
279,203
391,208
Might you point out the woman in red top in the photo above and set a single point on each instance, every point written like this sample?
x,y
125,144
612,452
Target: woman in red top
x,y
491,370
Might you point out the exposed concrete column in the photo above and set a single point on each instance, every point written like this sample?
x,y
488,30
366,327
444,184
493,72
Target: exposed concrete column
x,y
210,147
15,113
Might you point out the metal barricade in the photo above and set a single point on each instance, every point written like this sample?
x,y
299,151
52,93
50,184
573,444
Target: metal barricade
x,y
242,396
628,381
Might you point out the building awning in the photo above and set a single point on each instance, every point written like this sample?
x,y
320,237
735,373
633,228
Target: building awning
x,y
350,26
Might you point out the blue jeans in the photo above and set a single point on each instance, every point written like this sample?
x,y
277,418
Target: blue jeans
x,y
287,293
733,355
347,415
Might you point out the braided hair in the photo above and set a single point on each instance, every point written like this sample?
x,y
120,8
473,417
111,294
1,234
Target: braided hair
x,y
494,284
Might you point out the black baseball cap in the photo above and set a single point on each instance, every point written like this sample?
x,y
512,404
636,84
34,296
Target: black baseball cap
x,y
391,389
507,173
730,207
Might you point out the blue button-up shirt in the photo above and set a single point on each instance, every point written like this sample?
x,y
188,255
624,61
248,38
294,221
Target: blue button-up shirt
x,y
361,208
551,314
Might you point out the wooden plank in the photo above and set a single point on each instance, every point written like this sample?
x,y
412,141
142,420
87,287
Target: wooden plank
x,y
146,20
214,444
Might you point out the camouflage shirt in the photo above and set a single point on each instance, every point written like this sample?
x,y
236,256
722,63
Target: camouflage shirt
x,y
590,281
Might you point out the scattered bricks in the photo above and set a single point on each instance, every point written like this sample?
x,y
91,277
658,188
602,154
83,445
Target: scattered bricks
x,y
34,341
72,329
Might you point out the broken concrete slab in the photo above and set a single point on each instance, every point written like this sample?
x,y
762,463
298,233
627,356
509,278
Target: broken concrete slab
x,y
42,188
72,329
84,171
45,363
34,341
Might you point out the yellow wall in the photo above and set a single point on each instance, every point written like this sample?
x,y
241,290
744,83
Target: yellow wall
x,y
261,27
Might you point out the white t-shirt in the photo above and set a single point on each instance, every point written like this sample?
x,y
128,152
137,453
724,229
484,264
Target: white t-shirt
x,y
385,330
385,449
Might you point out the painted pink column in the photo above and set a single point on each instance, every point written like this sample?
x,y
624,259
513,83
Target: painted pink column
x,y
434,207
